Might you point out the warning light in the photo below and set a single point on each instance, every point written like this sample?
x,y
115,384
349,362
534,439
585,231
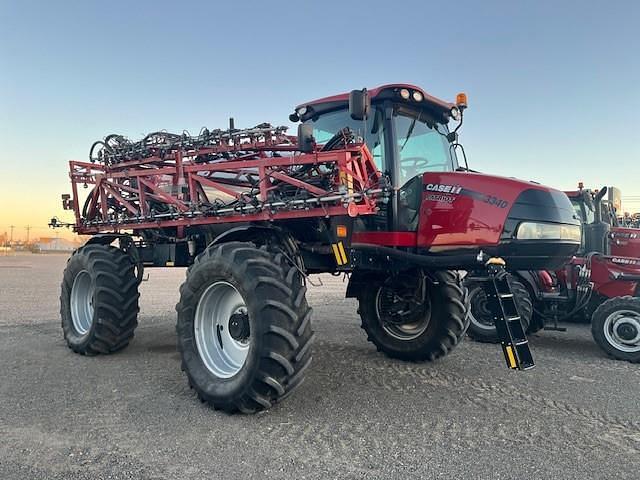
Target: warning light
x,y
461,100
341,231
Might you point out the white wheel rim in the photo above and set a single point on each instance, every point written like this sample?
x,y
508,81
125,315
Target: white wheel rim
x,y
622,330
222,354
82,302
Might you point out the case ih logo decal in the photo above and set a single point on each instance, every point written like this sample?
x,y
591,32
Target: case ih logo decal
x,y
625,235
441,188
458,190
625,261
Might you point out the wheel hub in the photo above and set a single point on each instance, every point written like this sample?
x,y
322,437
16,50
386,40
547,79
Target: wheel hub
x,y
622,330
627,331
239,326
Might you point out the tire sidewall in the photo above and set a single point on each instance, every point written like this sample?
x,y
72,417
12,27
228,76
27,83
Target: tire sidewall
x,y
475,331
522,295
77,263
406,348
220,389
369,302
598,323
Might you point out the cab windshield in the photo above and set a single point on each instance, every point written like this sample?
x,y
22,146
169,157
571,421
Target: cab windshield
x,y
420,143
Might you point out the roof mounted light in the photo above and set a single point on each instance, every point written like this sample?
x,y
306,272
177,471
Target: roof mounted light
x,y
461,100
405,94
417,96
300,113
455,113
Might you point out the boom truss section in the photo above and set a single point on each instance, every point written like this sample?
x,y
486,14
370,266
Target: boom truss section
x,y
258,174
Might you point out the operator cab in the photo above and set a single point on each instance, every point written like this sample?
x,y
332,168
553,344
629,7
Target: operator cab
x,y
596,217
406,131
435,207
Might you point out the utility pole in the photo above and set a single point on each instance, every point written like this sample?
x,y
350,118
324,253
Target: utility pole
x,y
28,227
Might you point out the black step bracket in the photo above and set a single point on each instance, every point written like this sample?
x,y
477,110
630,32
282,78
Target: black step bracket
x,y
555,329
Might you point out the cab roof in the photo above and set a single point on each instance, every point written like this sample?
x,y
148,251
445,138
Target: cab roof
x,y
439,108
377,91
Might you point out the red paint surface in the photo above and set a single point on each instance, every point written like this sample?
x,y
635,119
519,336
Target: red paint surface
x,y
466,220
602,271
344,97
546,281
389,239
622,242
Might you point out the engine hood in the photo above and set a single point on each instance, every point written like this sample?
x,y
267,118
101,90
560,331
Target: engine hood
x,y
474,211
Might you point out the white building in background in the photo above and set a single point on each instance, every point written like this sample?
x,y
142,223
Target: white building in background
x,y
53,244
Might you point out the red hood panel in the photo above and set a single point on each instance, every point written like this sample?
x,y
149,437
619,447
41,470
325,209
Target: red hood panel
x,y
463,209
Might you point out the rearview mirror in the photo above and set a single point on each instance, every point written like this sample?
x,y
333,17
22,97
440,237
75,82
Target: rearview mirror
x,y
601,193
359,104
306,142
588,200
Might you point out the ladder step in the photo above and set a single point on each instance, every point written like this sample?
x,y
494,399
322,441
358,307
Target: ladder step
x,y
504,309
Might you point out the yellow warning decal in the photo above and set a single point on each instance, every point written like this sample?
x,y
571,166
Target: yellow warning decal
x,y
336,253
511,358
343,254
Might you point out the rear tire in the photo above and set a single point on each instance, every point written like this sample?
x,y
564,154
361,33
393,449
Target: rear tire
x,y
437,324
99,300
537,323
482,328
615,327
276,341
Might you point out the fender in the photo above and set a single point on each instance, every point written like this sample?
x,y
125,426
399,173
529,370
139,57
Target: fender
x,y
248,233
263,234
107,238
127,245
530,280
358,280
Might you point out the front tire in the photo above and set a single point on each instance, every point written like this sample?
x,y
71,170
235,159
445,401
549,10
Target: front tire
x,y
615,327
244,331
482,327
433,323
99,300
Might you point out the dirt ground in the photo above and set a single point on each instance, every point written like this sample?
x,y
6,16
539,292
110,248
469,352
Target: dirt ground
x,y
358,414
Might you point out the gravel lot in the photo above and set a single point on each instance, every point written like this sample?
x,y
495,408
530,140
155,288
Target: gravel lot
x,y
358,414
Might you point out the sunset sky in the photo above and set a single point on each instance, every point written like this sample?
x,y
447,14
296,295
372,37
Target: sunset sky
x,y
552,86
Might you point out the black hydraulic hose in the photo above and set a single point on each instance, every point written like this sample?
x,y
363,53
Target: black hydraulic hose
x,y
584,292
579,306
431,261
